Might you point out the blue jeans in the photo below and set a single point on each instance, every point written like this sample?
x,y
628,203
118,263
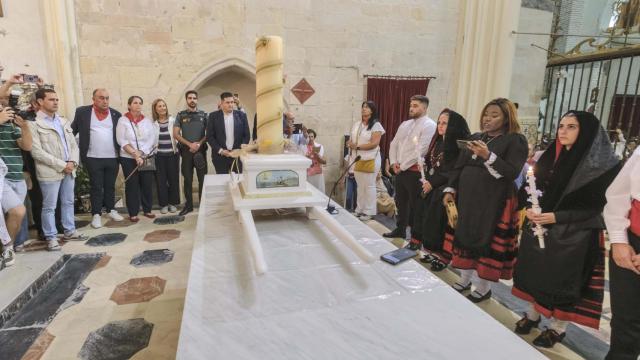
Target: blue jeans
x,y
352,193
50,191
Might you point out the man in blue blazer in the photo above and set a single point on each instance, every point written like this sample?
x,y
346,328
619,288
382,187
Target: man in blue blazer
x,y
227,129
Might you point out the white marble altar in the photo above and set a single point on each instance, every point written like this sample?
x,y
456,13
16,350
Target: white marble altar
x,y
319,300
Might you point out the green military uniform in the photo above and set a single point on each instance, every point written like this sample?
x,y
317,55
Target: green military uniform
x,y
192,126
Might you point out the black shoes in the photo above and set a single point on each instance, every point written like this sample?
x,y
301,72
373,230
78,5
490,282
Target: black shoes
x,y
460,287
397,233
524,325
548,338
428,258
185,210
476,297
413,246
437,265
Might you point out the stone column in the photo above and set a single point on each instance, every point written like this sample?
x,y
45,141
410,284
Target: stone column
x,y
62,51
484,55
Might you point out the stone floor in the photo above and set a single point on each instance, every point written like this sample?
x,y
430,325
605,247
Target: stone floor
x,y
135,294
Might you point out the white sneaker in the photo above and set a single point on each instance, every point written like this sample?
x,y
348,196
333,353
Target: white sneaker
x,y
75,236
172,209
115,216
52,244
8,256
164,210
96,222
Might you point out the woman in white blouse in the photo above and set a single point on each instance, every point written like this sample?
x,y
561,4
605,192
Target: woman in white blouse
x,y
137,136
365,142
622,216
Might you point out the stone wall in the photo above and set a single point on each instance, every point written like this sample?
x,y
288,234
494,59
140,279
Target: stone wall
x,y
527,81
22,39
159,48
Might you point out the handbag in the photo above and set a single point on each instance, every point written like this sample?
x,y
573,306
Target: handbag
x,y
149,162
365,166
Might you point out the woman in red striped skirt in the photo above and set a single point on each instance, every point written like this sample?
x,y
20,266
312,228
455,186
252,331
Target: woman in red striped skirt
x,y
482,183
564,279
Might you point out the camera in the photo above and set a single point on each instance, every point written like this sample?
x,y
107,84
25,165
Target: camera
x,y
30,78
14,104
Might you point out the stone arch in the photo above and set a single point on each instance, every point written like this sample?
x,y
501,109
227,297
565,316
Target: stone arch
x,y
214,69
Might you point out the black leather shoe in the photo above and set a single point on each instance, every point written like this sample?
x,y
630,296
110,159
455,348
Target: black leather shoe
x,y
524,325
548,338
185,211
437,265
427,259
397,233
413,246
479,298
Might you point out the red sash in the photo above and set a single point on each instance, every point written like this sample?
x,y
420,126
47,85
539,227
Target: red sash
x,y
634,217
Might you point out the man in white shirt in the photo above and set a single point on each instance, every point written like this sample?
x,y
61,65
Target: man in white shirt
x,y
408,146
96,124
622,217
227,129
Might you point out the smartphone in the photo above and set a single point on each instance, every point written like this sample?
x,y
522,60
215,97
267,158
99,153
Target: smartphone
x,y
29,78
462,144
297,128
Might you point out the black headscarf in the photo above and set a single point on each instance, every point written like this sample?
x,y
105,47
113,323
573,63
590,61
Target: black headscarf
x,y
560,173
457,129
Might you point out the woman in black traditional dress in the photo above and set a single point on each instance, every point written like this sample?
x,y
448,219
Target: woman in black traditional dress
x,y
430,217
482,183
564,280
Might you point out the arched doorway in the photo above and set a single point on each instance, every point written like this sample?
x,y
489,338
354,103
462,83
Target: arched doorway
x,y
233,80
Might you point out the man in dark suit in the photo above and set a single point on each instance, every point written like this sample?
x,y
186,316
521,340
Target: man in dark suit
x,y
227,129
96,123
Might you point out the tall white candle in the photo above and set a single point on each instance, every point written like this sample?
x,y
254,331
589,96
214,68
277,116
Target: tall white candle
x,y
269,84
533,192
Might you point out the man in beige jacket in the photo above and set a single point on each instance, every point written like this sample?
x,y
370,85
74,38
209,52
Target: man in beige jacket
x,y
56,155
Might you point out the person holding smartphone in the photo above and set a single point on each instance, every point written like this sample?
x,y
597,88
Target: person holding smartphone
x,y
482,185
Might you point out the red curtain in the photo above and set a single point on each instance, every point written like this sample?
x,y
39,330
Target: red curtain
x,y
392,98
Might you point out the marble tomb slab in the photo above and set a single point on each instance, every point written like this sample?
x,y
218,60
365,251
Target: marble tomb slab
x,y
152,257
106,239
169,219
117,340
138,290
162,235
319,301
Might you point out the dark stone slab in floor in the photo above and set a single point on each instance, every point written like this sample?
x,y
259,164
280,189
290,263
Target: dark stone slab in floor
x,y
162,235
33,289
152,257
75,298
170,219
138,290
117,340
15,343
106,239
35,308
